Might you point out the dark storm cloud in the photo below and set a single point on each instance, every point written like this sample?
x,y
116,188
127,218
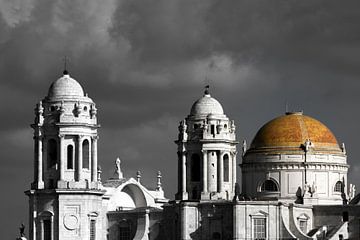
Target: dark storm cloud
x,y
145,62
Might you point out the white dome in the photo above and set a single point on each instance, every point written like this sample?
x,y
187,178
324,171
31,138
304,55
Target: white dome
x,y
65,87
206,105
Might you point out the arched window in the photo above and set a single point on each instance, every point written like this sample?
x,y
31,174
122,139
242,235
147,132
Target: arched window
x,y
46,221
86,153
303,223
226,167
70,157
338,186
92,229
52,153
195,168
269,186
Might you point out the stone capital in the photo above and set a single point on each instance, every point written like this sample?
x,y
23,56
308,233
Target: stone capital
x,y
95,138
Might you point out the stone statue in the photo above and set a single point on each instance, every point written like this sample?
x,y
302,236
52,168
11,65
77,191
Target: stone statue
x,y
343,148
299,196
352,191
308,144
118,172
244,147
22,230
312,189
232,126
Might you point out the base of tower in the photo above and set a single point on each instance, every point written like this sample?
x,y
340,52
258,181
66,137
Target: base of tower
x,y
181,196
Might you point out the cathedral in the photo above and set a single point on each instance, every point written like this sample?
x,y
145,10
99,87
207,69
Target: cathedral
x,y
290,182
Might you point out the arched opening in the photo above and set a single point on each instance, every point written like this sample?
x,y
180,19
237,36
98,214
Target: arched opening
x,y
226,168
338,186
269,186
195,168
86,153
136,194
70,157
46,222
52,153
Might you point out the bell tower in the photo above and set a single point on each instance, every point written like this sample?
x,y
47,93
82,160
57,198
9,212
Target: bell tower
x,y
65,196
206,152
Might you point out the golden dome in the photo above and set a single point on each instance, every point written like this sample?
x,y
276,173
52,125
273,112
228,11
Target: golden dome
x,y
289,133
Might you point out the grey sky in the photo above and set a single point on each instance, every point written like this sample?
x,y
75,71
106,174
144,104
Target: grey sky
x,y
145,62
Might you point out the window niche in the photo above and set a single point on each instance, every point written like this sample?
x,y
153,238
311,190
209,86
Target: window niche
x,y
92,224
303,223
52,153
195,168
269,185
46,225
86,153
226,167
338,187
70,157
259,225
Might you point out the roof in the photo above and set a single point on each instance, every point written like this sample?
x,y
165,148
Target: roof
x,y
206,105
292,130
65,87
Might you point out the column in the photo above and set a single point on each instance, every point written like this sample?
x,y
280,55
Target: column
x,y
183,171
62,157
205,171
41,229
40,181
52,227
183,223
233,168
221,172
79,158
36,160
94,160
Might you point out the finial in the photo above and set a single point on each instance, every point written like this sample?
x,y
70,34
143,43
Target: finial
x,y
99,171
158,184
138,176
65,72
207,92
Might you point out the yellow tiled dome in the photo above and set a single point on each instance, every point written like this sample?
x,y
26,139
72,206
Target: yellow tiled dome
x,y
290,131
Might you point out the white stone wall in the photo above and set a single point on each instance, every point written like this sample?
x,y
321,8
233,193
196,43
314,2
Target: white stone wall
x,y
288,171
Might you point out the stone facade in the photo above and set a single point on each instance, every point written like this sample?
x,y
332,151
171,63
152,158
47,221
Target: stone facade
x,y
294,179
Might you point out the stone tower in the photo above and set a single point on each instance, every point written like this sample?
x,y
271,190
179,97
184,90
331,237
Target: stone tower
x,y
206,152
65,197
